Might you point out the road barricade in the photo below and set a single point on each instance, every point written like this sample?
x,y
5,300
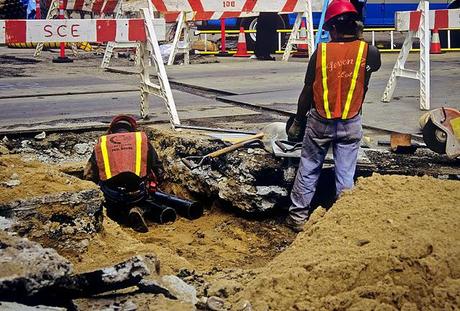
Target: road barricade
x,y
418,24
200,10
143,30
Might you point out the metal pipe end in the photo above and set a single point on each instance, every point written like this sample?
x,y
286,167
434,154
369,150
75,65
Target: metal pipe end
x,y
195,211
168,215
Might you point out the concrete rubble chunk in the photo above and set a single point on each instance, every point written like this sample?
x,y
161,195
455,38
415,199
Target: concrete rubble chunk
x,y
4,150
40,136
6,223
215,303
12,183
81,149
26,267
250,182
65,221
154,287
180,289
13,306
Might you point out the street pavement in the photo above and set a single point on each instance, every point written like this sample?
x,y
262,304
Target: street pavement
x,y
46,93
277,85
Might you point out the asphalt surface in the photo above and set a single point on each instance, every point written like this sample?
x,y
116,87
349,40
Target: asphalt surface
x,y
43,93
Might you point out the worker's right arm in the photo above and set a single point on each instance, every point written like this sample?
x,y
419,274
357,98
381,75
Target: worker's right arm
x,y
373,64
91,171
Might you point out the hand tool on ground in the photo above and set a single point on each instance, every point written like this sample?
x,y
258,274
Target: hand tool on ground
x,y
193,162
402,143
273,132
441,131
288,146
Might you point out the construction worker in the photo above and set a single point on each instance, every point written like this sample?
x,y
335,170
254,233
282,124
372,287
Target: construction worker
x,y
266,35
125,165
335,85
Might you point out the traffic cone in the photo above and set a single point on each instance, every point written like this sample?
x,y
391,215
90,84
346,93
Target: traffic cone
x,y
302,48
241,49
435,47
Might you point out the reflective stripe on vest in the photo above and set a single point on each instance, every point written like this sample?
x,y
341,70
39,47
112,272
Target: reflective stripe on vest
x,y
138,153
325,89
105,157
353,81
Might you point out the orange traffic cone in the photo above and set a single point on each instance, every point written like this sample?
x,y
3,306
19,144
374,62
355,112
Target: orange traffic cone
x,y
302,48
241,49
435,47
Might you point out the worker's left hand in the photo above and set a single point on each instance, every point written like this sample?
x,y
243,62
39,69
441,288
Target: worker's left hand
x,y
295,131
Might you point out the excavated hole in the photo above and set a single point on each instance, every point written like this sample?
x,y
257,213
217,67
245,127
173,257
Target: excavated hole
x,y
224,237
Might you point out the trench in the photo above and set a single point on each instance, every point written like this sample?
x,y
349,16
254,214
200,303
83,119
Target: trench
x,y
225,238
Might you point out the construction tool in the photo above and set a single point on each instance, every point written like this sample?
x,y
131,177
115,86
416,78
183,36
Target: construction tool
x,y
193,162
288,146
273,132
441,131
402,143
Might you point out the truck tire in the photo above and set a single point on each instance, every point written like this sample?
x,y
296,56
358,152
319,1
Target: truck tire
x,y
12,9
250,23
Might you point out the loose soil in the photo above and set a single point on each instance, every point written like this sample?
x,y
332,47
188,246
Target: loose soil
x,y
218,240
36,179
390,244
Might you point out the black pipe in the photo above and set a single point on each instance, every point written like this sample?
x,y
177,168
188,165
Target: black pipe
x,y
160,213
186,208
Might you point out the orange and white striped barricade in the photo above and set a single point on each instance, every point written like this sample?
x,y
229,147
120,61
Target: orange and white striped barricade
x,y
95,7
143,30
294,37
418,24
113,45
199,10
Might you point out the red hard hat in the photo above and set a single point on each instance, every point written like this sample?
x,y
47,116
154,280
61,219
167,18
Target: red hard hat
x,y
123,119
337,8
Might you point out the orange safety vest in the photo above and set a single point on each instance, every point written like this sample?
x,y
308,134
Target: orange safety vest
x,y
338,89
120,153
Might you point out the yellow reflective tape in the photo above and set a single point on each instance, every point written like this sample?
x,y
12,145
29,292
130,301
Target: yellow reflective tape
x,y
105,157
138,153
455,123
325,89
353,80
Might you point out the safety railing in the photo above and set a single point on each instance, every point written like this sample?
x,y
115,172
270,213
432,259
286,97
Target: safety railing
x,y
373,38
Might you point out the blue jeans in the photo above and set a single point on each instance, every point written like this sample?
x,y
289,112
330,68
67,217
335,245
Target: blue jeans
x,y
345,137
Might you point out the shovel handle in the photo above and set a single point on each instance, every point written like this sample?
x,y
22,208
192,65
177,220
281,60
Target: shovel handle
x,y
232,147
255,136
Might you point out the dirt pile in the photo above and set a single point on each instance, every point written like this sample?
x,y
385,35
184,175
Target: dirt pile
x,y
34,179
393,243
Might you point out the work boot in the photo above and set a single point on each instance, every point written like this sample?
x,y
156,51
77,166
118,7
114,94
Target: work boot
x,y
294,225
136,220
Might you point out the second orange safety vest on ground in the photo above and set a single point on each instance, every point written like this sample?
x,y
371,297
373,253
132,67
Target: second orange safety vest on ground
x,y
120,153
338,89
